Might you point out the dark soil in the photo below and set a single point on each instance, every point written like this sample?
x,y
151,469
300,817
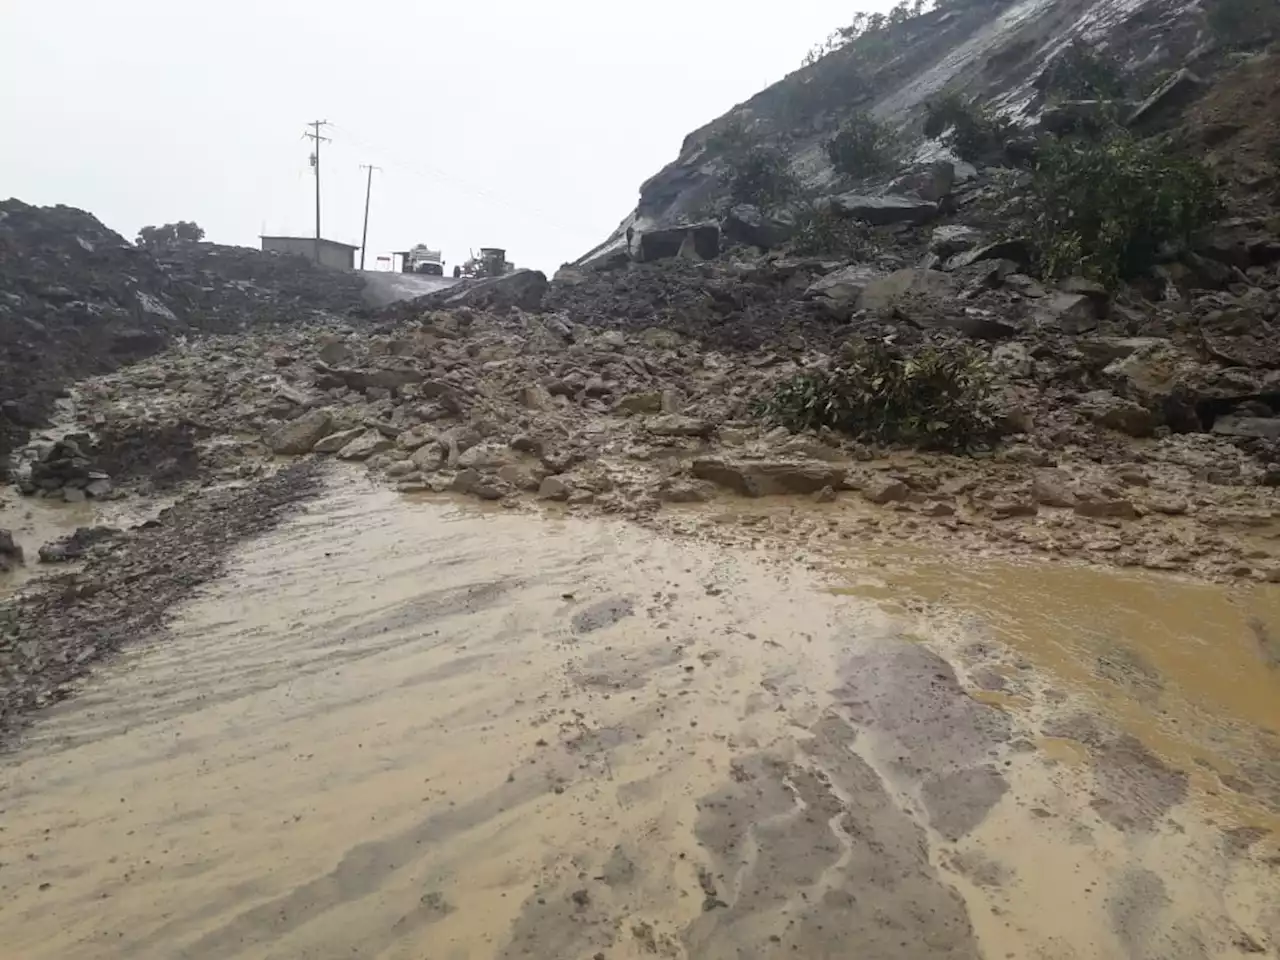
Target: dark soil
x,y
54,634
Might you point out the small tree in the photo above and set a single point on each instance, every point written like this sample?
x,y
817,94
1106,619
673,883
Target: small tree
x,y
762,178
972,131
1108,209
184,231
862,146
1080,72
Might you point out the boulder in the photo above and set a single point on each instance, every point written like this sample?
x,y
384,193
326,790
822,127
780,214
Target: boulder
x,y
1168,99
300,435
882,211
365,446
746,224
336,441
1126,416
1102,506
761,478
844,285
677,425
1264,428
487,456
650,401
664,244
947,241
1052,488
1016,249
553,488
1071,313
883,293
881,489
428,457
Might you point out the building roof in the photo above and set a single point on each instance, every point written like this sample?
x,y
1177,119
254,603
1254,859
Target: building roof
x,y
332,243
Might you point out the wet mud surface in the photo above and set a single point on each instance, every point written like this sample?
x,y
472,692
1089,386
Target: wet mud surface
x,y
404,727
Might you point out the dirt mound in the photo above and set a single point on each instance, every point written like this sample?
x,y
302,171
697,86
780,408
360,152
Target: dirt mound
x,y
723,308
79,300
231,288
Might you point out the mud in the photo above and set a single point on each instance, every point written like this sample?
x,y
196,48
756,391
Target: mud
x,y
406,726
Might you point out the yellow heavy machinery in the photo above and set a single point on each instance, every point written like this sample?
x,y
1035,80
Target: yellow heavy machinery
x,y
491,262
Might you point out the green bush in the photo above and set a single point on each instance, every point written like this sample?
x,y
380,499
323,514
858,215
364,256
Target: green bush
x,y
1082,73
937,397
862,146
157,238
1108,209
821,231
1243,23
973,132
762,178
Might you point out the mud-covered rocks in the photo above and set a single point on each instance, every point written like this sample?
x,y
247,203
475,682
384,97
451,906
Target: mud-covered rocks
x,y
677,425
762,478
300,436
363,446
77,545
11,553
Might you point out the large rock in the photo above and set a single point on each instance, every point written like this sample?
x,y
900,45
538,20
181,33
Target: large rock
x,y
1265,428
1069,312
676,425
1016,249
882,211
844,285
703,239
762,478
883,293
1120,414
336,441
366,445
1168,99
953,238
300,436
746,224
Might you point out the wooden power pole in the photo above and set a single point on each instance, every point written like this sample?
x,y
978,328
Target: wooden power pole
x,y
368,189
314,134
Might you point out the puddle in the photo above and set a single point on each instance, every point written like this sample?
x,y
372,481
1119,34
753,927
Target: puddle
x,y
404,728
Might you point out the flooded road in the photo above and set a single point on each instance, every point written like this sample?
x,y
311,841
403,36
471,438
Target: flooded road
x,y
410,729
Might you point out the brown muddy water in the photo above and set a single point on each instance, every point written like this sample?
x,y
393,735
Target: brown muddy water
x,y
413,729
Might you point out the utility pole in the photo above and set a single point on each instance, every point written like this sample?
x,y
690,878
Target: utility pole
x,y
368,189
314,134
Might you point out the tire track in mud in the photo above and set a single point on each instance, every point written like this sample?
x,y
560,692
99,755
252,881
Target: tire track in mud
x,y
406,729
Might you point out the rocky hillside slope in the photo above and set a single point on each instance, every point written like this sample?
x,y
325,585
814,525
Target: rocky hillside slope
x,y
995,52
77,299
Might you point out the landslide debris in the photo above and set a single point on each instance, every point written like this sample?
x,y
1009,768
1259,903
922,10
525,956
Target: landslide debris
x,y
76,299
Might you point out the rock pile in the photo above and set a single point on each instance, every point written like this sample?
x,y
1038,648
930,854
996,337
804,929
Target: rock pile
x,y
77,299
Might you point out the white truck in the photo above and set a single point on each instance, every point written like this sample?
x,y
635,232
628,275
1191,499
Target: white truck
x,y
422,259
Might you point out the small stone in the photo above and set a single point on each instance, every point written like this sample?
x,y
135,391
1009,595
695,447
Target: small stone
x,y
1004,509
553,488
400,468
937,508
825,495
336,441
1106,507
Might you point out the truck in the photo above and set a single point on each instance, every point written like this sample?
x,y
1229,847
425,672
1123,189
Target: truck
x,y
489,262
422,259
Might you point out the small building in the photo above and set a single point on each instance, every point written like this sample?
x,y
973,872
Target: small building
x,y
327,253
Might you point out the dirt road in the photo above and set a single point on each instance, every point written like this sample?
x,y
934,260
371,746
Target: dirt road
x,y
406,728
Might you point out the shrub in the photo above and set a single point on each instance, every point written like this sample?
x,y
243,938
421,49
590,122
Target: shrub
x,y
184,231
972,131
1243,22
822,231
1082,73
862,146
762,178
1108,209
938,397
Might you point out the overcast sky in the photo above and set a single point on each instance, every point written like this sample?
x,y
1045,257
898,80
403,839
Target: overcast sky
x,y
513,123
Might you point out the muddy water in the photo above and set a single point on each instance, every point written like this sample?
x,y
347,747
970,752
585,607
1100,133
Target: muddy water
x,y
410,729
